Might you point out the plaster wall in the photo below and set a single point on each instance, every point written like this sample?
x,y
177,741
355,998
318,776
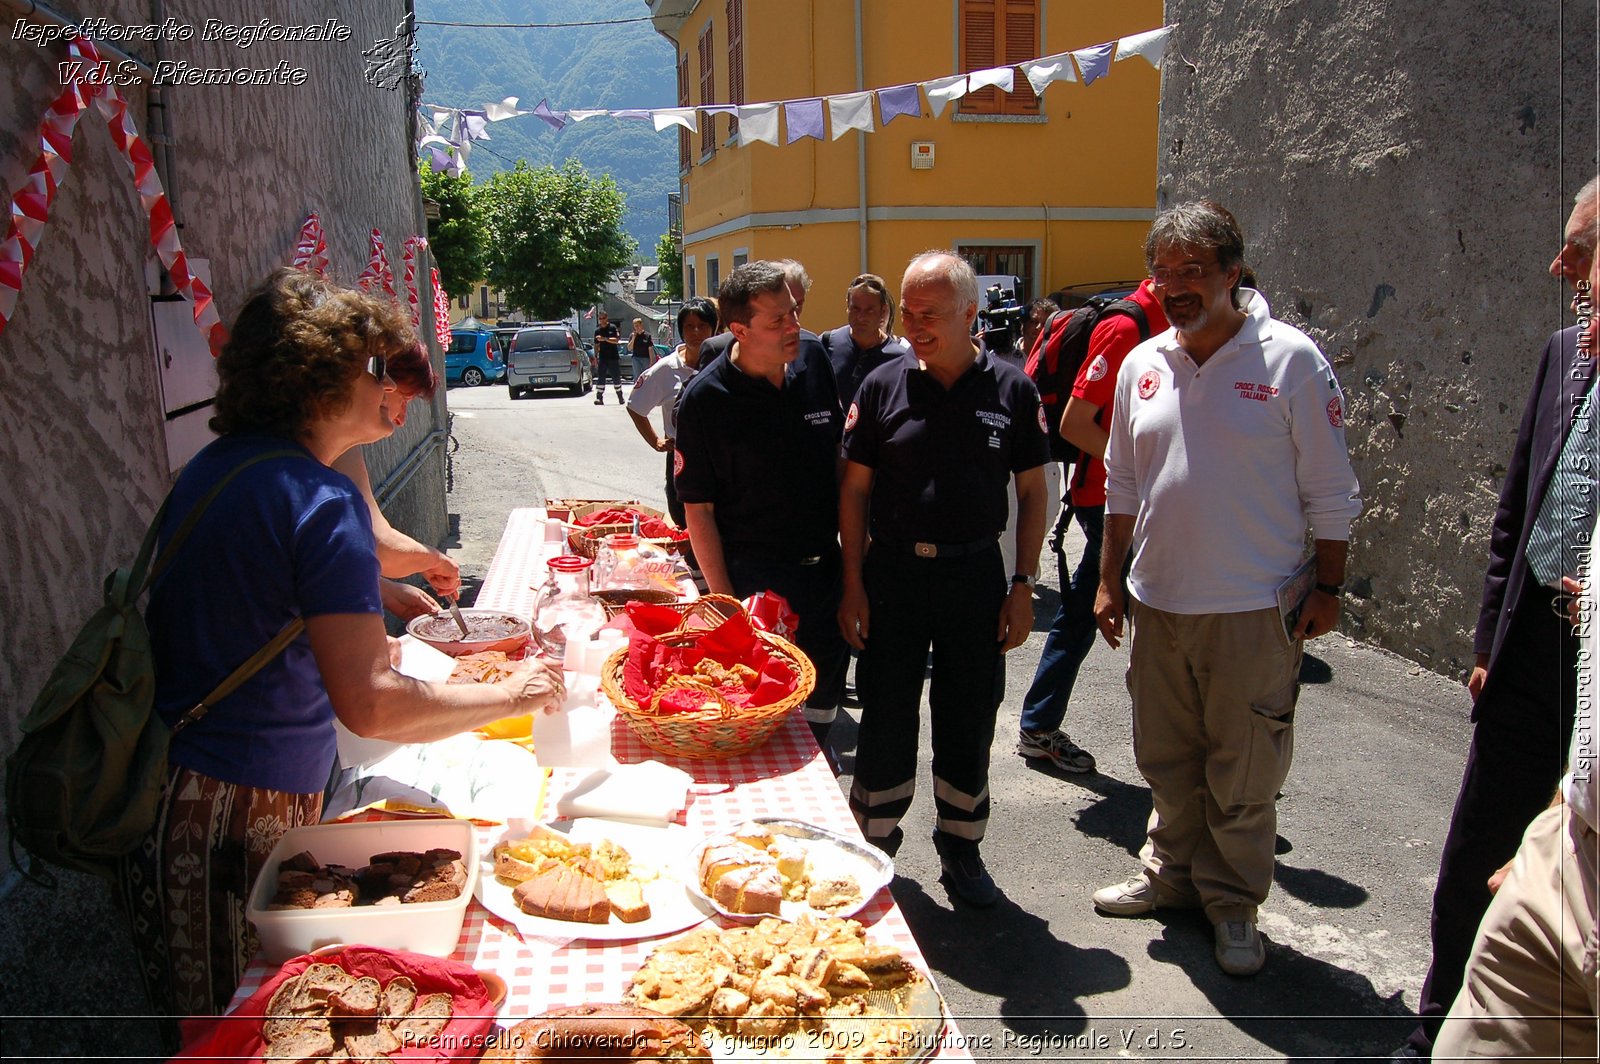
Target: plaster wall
x,y
83,457
1402,171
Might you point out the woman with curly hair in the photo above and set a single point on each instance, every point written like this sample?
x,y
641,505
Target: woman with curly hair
x,y
302,380
399,555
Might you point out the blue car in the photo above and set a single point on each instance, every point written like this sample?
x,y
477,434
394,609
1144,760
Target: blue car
x,y
474,358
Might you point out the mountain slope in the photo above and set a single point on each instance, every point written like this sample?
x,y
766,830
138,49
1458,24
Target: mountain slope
x,y
610,66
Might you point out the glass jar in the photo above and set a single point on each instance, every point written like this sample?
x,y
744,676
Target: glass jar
x,y
564,612
625,562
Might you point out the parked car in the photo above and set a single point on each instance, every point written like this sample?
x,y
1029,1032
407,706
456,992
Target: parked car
x,y
474,358
547,355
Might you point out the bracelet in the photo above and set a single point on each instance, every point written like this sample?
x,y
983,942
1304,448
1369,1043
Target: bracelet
x,y
1331,589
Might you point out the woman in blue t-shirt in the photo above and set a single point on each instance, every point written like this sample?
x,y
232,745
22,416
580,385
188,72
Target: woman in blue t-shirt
x,y
303,379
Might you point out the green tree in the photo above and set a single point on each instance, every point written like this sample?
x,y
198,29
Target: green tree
x,y
457,237
555,236
669,260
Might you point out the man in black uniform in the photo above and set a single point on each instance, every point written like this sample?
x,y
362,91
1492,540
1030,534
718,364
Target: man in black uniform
x,y
931,446
756,466
607,338
799,283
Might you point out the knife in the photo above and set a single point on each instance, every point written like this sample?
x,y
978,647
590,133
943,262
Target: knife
x,y
455,611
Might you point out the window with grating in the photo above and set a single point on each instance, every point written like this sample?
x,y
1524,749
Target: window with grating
x,y
708,93
735,60
683,101
996,33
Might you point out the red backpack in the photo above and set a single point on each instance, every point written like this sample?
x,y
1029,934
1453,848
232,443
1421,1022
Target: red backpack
x,y
1059,351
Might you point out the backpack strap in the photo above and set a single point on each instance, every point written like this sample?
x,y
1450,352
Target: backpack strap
x,y
1134,311
140,582
192,519
254,664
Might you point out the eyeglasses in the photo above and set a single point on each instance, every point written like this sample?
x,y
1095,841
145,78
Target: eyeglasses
x,y
1189,272
377,365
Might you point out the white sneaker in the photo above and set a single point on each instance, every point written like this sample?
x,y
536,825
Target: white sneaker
x,y
1136,897
1239,949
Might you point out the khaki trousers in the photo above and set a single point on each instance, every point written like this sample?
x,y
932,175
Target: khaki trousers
x,y
1213,734
1530,991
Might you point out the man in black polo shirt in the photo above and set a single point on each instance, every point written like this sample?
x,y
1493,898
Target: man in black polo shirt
x,y
607,338
931,446
799,282
756,466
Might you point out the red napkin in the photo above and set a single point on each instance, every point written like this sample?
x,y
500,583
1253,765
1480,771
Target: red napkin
x,y
650,527
231,1039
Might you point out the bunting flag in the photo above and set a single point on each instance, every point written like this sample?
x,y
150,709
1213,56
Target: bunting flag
x,y
851,111
377,275
555,119
30,206
803,118
676,116
408,256
441,309
1041,72
1150,46
758,122
499,112
944,90
900,100
311,248
1094,62
1002,78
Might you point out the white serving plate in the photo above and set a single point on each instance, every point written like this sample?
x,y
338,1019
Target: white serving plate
x,y
655,846
828,853
431,927
919,1007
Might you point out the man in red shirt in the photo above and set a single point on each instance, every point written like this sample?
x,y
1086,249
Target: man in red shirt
x,y
1087,417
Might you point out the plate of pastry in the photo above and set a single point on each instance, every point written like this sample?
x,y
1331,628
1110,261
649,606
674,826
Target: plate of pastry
x,y
772,866
589,879
808,989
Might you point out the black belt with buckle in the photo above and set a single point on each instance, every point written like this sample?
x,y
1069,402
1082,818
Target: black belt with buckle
x,y
937,550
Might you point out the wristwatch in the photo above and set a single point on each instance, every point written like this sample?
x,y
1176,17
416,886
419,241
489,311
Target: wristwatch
x,y
1031,581
1331,589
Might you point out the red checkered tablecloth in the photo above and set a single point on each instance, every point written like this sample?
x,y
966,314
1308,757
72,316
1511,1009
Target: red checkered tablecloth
x,y
787,776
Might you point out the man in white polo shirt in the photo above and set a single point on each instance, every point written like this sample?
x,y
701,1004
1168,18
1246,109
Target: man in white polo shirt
x,y
1226,447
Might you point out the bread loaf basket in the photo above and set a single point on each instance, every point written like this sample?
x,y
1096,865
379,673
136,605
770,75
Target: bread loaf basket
x,y
720,730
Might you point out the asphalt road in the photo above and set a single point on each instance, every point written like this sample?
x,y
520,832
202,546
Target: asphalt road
x,y
1379,748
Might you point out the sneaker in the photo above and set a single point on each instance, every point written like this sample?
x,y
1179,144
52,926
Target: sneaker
x,y
961,871
1057,748
1136,897
1240,950
599,400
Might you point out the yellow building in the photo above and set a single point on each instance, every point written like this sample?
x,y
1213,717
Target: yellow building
x,y
1058,189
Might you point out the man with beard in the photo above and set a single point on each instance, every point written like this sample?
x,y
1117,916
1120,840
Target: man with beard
x,y
1226,445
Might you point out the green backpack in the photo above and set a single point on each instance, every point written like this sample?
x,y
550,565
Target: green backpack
x,y
83,785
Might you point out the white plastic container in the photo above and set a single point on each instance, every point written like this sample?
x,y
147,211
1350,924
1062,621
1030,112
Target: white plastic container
x,y
431,927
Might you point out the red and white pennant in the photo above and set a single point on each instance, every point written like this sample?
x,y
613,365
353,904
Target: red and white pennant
x,y
441,309
30,206
311,249
377,275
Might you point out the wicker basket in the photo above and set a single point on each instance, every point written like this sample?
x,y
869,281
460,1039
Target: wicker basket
x,y
585,540
615,599
714,733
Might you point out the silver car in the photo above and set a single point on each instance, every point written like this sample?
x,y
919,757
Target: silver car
x,y
547,355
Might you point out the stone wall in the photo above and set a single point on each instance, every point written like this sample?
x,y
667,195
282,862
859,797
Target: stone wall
x,y
83,458
1402,171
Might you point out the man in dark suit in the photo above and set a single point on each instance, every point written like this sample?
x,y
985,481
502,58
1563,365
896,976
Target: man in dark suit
x,y
1523,682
